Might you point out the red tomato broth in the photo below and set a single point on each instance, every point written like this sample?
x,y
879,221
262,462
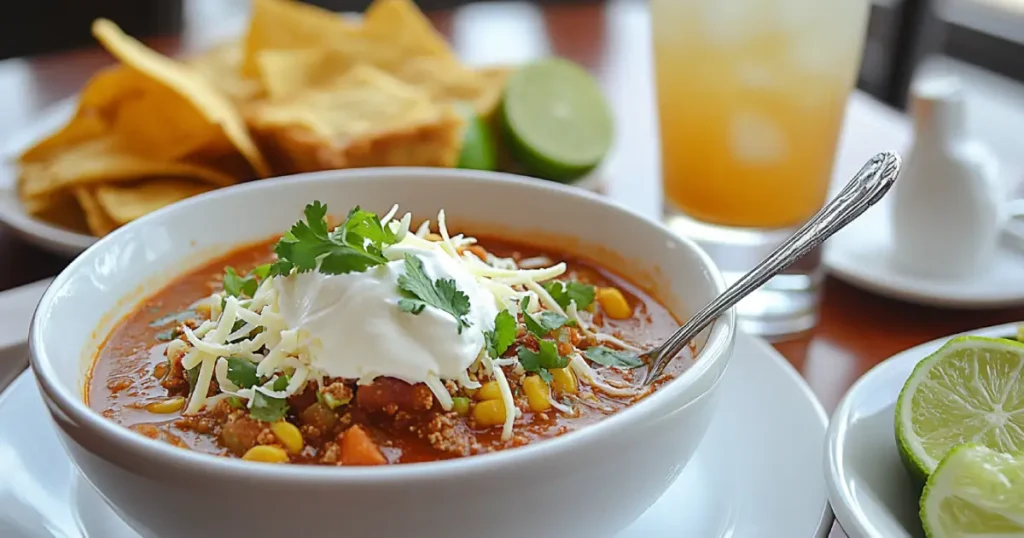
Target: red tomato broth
x,y
122,380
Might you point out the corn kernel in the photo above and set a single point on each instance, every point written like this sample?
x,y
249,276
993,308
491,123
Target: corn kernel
x,y
614,303
433,237
170,405
563,381
266,454
538,394
289,435
489,391
489,413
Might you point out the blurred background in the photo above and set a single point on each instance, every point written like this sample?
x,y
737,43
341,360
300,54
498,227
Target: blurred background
x,y
980,41
977,38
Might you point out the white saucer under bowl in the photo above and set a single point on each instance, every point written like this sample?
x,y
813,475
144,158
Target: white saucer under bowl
x,y
861,254
871,492
749,479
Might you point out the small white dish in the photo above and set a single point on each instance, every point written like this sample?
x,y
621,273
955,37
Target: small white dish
x,y
871,492
861,255
729,489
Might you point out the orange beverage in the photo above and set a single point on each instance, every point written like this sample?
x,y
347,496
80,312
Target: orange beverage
x,y
751,95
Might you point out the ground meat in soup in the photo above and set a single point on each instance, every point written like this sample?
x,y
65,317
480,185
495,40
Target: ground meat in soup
x,y
139,382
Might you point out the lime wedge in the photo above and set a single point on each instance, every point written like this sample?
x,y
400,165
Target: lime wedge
x,y
558,123
479,150
975,492
969,391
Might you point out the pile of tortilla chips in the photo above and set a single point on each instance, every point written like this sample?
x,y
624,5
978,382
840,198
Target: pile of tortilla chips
x,y
304,90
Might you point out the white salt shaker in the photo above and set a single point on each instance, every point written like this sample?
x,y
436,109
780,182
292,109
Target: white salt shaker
x,y
948,206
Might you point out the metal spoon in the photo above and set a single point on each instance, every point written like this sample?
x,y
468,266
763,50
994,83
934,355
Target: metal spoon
x,y
862,192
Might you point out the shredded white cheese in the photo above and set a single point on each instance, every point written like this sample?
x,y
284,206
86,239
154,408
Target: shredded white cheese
x,y
276,350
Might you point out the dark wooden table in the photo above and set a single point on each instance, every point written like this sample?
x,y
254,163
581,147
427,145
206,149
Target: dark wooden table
x,y
857,329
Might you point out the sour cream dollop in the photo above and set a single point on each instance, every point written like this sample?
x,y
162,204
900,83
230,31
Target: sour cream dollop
x,y
356,329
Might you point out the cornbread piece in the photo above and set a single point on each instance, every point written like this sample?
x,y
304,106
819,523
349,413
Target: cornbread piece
x,y
364,118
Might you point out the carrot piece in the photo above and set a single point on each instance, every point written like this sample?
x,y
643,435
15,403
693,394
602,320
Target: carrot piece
x,y
478,251
358,449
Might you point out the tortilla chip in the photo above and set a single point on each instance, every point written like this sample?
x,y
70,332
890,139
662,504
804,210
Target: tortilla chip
x,y
80,128
221,66
61,209
285,72
288,25
104,88
450,82
206,103
97,220
364,118
400,24
104,160
125,203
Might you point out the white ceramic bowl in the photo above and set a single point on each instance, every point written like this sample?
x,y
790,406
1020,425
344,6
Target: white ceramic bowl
x,y
592,482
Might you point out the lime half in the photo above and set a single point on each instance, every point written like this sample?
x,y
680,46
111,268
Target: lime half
x,y
975,492
969,391
558,124
479,150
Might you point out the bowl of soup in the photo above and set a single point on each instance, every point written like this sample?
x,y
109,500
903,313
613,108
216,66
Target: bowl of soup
x,y
381,352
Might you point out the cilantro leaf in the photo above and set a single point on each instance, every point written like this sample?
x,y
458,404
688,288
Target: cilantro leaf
x,y
544,322
366,225
420,292
238,286
503,335
242,373
176,317
543,360
280,383
615,359
566,292
355,246
546,376
192,375
260,271
269,409
168,335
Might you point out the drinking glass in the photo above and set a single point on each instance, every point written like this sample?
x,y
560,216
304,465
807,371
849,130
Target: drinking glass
x,y
751,95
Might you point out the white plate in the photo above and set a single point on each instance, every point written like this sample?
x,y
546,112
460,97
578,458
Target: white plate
x,y
12,214
750,479
861,254
872,493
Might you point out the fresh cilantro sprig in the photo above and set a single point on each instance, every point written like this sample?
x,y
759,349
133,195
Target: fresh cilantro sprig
x,y
503,335
352,247
615,359
269,409
421,292
239,286
243,374
566,292
544,322
542,360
